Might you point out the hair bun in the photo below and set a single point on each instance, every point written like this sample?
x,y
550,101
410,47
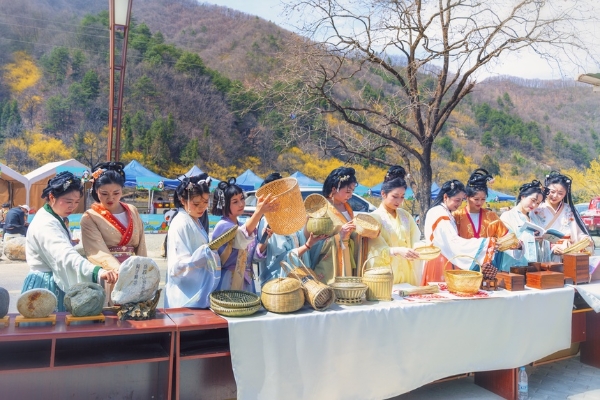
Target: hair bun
x,y
394,172
480,178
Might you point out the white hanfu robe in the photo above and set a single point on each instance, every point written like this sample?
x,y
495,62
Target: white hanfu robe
x,y
193,269
441,231
564,222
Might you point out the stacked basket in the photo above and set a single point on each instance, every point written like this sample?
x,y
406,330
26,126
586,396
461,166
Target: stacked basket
x,y
349,289
234,303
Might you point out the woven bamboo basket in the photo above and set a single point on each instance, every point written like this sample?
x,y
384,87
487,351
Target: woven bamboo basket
x,y
462,281
428,252
234,299
349,292
317,294
379,282
367,226
577,247
316,205
282,295
234,312
226,237
290,215
507,242
320,226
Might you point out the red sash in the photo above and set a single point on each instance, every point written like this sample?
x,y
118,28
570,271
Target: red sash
x,y
126,232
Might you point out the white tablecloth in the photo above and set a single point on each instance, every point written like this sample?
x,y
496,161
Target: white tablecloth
x,y
590,293
381,350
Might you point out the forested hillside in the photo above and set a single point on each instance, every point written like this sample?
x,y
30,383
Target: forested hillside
x,y
194,95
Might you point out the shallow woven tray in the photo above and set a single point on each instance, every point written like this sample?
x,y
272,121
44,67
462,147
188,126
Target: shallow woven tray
x,y
234,299
507,242
234,312
348,279
576,247
428,252
367,226
316,205
349,290
223,239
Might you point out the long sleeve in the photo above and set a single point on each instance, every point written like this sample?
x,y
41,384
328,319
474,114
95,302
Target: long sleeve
x,y
95,246
49,248
141,247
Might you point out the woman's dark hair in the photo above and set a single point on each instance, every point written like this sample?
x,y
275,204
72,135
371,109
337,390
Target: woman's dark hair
x,y
478,182
565,181
394,172
450,189
392,184
190,187
62,184
533,187
222,197
339,178
271,177
107,173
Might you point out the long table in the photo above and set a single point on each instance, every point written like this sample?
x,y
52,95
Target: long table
x,y
381,350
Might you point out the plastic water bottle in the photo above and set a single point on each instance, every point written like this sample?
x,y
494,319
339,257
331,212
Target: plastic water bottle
x,y
523,386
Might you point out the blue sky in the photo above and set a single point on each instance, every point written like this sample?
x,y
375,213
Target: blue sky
x,y
526,64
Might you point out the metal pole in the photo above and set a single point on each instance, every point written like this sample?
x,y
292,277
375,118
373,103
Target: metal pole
x,y
111,84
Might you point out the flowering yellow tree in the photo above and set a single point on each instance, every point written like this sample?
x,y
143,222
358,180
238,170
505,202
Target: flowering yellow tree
x,y
22,73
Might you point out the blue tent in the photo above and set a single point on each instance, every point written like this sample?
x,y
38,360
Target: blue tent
x,y
435,189
248,180
361,190
194,171
498,196
134,170
304,180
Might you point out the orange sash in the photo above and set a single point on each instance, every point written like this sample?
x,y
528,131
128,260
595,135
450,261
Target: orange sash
x,y
126,232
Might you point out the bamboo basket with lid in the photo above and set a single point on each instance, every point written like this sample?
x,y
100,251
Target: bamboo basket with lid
x,y
463,281
290,215
379,282
282,295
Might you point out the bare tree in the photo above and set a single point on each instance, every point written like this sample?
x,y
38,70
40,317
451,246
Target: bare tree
x,y
392,71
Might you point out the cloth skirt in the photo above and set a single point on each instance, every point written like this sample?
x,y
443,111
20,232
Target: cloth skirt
x,y
44,280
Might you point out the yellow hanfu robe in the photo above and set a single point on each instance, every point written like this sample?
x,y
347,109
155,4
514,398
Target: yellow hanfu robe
x,y
398,231
106,241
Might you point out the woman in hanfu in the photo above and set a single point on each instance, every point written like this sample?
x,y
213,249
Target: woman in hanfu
x,y
441,231
111,230
556,213
339,254
193,269
273,248
399,231
530,196
236,259
53,262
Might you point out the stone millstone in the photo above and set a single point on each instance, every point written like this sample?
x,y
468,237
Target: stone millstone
x,y
4,302
36,303
84,299
14,249
138,281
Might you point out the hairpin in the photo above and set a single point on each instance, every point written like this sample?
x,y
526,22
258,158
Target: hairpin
x,y
66,184
342,179
221,201
97,173
452,185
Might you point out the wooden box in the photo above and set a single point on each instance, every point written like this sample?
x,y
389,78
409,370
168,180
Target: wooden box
x,y
545,279
510,281
535,266
577,267
552,266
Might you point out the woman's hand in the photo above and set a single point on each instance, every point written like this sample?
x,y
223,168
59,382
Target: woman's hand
x,y
312,239
347,229
265,204
405,252
559,248
108,275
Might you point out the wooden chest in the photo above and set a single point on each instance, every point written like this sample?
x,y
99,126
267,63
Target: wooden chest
x,y
552,266
577,267
510,281
545,279
535,266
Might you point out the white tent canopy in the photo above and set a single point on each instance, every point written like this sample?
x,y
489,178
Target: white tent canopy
x,y
13,186
37,180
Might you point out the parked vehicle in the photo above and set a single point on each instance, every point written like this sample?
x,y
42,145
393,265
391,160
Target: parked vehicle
x,y
591,216
358,204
